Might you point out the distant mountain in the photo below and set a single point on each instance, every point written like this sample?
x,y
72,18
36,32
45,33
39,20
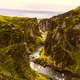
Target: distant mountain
x,y
28,13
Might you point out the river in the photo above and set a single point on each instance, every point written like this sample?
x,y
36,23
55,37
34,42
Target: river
x,y
47,71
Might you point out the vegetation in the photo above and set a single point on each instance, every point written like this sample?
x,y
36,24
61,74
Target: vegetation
x,y
63,41
18,39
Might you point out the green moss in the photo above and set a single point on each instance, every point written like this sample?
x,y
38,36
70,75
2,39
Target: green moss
x,y
40,77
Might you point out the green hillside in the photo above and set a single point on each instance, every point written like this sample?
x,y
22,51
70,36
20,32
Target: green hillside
x,y
17,41
63,41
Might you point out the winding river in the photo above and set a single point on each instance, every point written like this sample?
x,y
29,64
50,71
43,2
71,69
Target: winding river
x,y
47,71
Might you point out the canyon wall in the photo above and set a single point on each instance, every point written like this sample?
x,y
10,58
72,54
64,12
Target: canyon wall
x,y
63,40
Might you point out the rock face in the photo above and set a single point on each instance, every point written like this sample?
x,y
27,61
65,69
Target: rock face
x,y
63,40
44,24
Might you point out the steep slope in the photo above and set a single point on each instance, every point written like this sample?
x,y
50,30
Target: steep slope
x,y
44,24
63,41
17,41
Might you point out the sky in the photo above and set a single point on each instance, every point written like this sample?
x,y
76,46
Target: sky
x,y
44,5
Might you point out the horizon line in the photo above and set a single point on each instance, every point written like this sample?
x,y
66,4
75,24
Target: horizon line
x,y
33,10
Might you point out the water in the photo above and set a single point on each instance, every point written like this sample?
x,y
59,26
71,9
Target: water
x,y
28,13
47,71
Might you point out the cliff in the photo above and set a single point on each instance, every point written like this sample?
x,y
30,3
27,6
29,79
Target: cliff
x,y
63,40
44,24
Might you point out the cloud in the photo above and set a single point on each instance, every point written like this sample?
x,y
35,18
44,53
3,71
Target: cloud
x,y
58,5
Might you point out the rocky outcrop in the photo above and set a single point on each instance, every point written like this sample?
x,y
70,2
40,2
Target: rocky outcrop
x,y
44,24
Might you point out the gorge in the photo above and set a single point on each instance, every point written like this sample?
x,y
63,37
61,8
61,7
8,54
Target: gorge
x,y
45,49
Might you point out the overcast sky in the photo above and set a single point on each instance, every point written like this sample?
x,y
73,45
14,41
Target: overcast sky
x,y
49,5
